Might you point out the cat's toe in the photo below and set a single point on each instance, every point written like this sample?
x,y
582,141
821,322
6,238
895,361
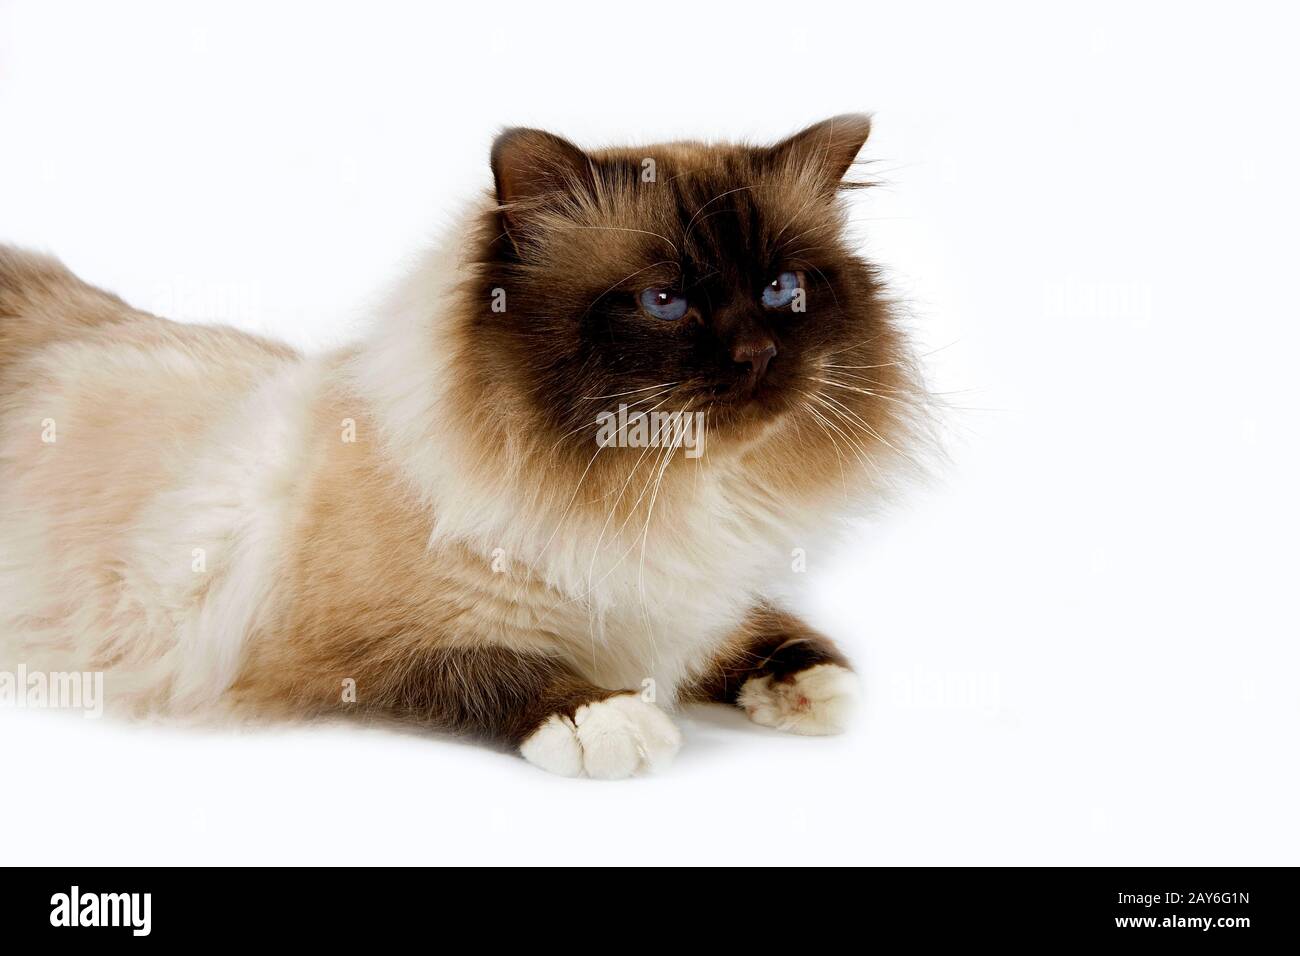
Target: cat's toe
x,y
819,700
554,747
608,739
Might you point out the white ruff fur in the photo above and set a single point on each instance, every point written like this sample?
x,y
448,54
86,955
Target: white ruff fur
x,y
644,602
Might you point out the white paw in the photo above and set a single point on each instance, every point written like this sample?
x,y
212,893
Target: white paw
x,y
609,740
818,700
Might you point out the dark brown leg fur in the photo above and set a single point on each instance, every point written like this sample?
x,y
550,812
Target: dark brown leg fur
x,y
770,642
486,692
489,692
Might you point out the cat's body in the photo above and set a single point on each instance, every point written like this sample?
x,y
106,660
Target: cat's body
x,y
412,527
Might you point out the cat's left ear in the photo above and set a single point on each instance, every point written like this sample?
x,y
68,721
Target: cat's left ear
x,y
533,169
828,148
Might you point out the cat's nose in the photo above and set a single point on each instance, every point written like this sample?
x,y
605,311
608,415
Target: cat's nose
x,y
755,353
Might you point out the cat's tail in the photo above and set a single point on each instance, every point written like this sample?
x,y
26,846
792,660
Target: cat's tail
x,y
42,302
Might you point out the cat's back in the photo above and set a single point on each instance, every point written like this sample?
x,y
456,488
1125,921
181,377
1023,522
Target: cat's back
x,y
97,395
48,315
126,442
41,302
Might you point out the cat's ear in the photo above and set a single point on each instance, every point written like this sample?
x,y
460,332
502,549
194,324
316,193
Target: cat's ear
x,y
827,148
533,168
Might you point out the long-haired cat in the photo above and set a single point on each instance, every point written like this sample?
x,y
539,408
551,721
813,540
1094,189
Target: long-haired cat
x,y
542,502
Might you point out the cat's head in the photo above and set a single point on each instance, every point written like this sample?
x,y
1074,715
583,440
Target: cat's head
x,y
713,281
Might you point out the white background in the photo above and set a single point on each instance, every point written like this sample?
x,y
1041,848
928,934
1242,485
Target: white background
x,y
1081,644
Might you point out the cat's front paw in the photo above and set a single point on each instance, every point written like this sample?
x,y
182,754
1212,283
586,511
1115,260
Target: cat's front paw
x,y
609,739
814,701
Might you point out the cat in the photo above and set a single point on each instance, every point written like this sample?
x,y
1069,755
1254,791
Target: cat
x,y
442,524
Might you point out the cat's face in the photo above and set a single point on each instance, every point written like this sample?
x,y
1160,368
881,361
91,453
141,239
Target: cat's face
x,y
688,278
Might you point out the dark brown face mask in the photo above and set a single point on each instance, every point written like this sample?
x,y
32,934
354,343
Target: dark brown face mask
x,y
715,278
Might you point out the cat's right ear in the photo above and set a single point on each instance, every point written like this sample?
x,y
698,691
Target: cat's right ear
x,y
534,170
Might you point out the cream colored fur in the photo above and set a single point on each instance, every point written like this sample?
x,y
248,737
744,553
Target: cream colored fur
x,y
144,538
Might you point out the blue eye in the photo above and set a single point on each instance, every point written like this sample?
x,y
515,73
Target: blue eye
x,y
664,304
780,292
